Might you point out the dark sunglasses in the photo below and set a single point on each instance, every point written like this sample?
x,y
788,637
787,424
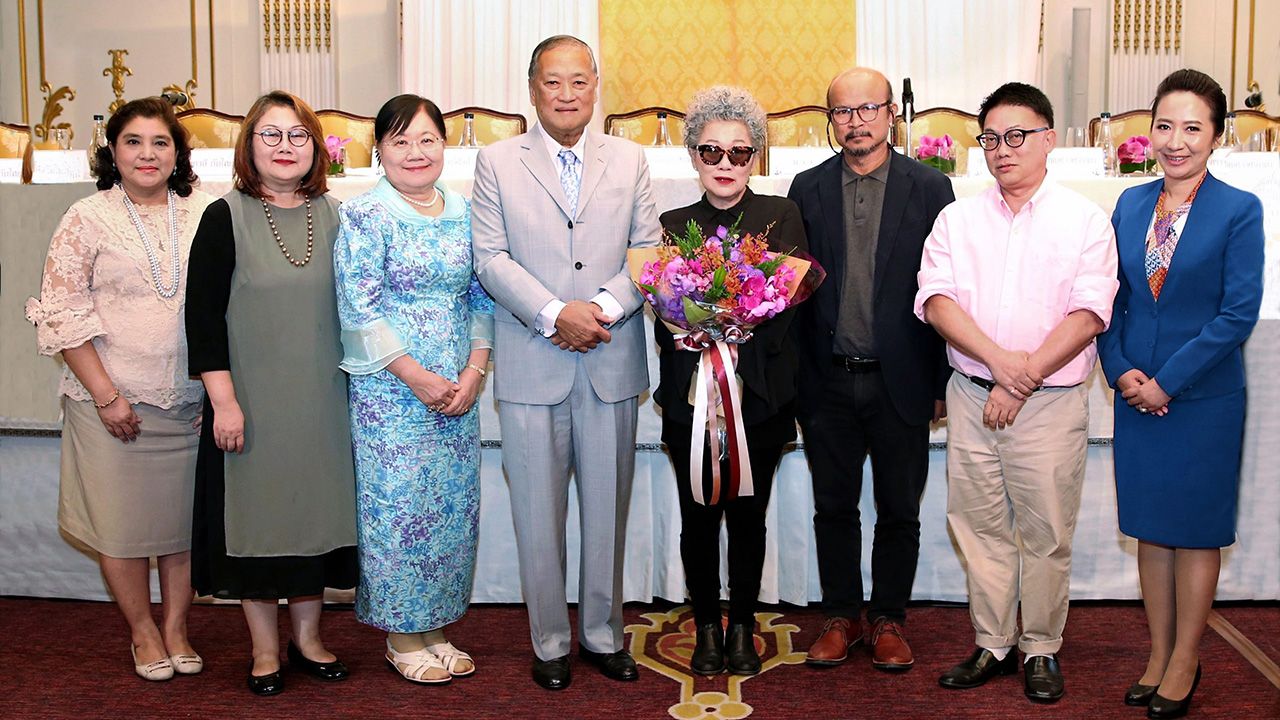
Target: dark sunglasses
x,y
738,154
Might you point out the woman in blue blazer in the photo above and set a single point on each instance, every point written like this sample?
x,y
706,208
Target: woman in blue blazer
x,y
1191,260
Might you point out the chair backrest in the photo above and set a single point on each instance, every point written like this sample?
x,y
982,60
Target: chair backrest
x,y
14,140
356,127
490,126
799,126
641,125
1123,126
210,128
1251,122
935,122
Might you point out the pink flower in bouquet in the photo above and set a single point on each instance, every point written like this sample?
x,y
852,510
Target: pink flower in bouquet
x,y
334,145
1134,150
935,147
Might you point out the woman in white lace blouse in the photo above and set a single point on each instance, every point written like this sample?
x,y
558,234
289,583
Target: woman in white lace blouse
x,y
111,303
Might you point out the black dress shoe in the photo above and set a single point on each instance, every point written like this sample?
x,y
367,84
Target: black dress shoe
x,y
328,671
552,674
1043,679
615,666
1139,695
1162,708
271,684
981,666
708,654
740,649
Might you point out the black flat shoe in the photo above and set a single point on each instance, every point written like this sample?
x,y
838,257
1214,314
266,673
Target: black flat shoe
x,y
708,654
740,650
1139,695
615,666
1043,679
552,674
328,671
1162,708
981,666
272,684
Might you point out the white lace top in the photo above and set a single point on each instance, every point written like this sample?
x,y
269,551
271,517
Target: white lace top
x,y
98,286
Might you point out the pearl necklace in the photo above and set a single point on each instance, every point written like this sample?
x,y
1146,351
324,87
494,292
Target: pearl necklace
x,y
153,257
310,235
419,203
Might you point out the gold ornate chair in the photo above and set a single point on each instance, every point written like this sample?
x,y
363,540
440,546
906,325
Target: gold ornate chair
x,y
1123,126
1251,122
935,122
490,126
797,127
14,140
642,125
210,128
357,127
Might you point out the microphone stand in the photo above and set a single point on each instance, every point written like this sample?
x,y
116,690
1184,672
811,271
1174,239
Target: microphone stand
x,y
908,114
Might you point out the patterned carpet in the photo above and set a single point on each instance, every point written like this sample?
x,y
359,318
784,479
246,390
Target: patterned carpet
x,y
63,659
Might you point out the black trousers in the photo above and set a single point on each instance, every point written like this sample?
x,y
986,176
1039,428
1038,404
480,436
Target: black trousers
x,y
700,524
853,417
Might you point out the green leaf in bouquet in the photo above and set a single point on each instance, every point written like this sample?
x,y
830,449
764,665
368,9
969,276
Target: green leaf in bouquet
x,y
691,241
770,266
717,291
694,313
651,289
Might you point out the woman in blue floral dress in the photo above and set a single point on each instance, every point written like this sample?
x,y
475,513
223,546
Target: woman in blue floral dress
x,y
416,331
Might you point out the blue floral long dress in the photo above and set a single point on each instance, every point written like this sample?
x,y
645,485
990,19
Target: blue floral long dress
x,y
405,286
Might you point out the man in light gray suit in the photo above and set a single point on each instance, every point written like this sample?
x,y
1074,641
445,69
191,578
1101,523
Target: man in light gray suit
x,y
554,212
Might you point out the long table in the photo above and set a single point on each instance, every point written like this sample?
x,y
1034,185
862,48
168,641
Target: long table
x,y
35,560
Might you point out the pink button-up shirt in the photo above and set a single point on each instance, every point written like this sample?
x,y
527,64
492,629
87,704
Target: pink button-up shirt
x,y
1018,276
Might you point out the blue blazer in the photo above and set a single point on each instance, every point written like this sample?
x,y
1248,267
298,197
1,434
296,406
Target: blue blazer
x,y
1190,341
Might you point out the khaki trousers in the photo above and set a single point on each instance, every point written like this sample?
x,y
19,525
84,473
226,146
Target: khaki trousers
x,y
1012,500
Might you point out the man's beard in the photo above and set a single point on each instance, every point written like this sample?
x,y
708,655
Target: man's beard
x,y
860,152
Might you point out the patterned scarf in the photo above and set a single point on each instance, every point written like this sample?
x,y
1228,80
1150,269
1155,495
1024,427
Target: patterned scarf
x,y
1163,239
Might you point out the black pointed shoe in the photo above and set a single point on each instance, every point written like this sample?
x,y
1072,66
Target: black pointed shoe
x,y
1043,679
981,666
327,671
1162,708
552,674
272,684
1139,695
740,649
708,653
615,665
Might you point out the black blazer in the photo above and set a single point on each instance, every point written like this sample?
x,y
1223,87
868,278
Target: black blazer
x,y
767,362
913,356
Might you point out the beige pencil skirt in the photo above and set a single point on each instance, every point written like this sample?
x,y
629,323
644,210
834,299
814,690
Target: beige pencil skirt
x,y
129,500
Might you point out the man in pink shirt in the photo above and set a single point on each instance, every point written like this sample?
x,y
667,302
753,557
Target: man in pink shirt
x,y
1018,280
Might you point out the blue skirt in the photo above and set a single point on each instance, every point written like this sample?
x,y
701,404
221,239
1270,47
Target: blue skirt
x,y
1178,476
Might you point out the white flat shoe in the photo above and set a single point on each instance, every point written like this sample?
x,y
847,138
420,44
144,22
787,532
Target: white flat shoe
x,y
413,666
187,664
155,671
450,656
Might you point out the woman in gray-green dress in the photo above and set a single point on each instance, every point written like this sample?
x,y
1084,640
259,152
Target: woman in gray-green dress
x,y
274,513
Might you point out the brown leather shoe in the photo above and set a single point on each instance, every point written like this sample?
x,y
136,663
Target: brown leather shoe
x,y
889,648
832,646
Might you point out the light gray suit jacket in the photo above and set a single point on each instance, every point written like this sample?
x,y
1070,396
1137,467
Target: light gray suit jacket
x,y
528,250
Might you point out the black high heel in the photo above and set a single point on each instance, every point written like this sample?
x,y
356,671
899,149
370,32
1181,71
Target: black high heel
x,y
1139,695
1162,708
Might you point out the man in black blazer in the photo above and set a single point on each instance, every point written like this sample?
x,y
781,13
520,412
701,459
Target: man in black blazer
x,y
872,376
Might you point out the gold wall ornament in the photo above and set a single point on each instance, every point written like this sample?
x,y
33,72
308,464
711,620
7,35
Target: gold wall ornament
x,y
117,72
327,34
275,22
287,27
1168,24
316,10
22,59
1128,18
1146,26
53,98
297,25
307,16
266,25
1115,26
1177,28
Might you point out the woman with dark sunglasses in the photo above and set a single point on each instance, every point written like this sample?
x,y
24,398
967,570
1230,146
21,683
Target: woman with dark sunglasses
x,y
724,129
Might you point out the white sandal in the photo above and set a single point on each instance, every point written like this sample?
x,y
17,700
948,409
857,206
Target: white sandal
x,y
450,656
187,664
154,671
413,666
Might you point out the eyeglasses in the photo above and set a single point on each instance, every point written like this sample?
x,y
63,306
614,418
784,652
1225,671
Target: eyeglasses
x,y
738,154
400,145
1013,138
271,137
842,115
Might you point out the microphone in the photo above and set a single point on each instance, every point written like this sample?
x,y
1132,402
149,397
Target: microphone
x,y
908,113
175,98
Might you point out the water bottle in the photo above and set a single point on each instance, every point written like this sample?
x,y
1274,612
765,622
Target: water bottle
x,y
664,136
468,131
98,140
1108,144
1230,138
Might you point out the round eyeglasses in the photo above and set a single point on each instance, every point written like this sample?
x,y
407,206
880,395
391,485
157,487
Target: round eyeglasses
x,y
271,137
1013,138
843,115
738,154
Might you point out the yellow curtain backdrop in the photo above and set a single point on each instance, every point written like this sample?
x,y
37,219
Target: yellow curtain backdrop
x,y
659,52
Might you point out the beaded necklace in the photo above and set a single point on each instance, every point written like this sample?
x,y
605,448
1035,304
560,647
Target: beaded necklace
x,y
153,257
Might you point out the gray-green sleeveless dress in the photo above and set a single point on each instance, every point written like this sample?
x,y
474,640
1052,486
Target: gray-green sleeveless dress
x,y
277,520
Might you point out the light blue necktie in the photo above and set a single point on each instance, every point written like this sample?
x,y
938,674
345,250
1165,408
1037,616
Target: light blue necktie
x,y
570,177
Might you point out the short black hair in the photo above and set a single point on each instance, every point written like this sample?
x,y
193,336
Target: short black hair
x,y
1200,85
104,165
396,114
1016,93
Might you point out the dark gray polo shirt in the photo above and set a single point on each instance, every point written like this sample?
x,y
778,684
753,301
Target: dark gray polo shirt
x,y
863,197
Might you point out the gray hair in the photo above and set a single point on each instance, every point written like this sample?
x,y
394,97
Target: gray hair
x,y
556,41
723,102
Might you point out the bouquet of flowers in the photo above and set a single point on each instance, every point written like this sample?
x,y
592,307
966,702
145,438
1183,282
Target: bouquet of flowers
x,y
337,156
1132,155
939,153
711,292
